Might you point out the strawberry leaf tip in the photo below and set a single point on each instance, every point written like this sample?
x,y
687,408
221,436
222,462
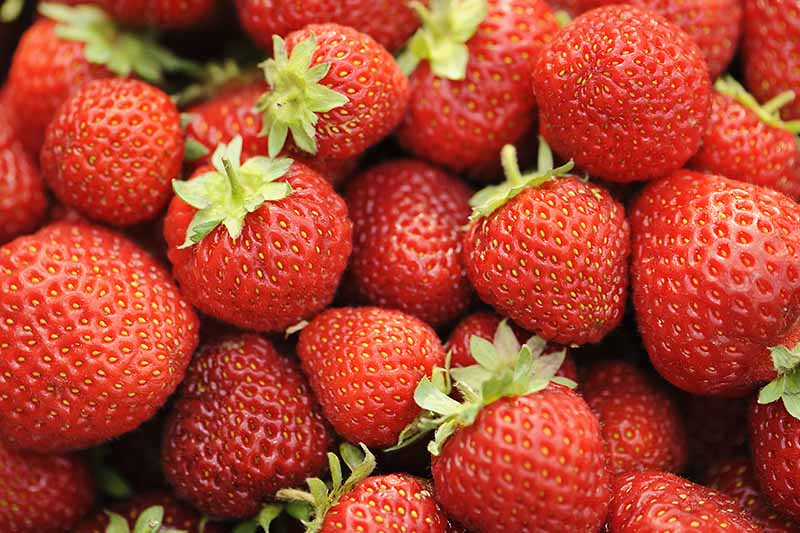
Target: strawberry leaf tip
x,y
150,521
786,387
768,112
295,96
232,190
263,520
10,10
446,28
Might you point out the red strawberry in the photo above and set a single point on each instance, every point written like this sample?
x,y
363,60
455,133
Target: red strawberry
x,y
163,13
551,254
390,22
42,493
734,477
407,220
470,86
748,142
94,337
113,150
653,502
260,245
625,105
715,280
642,425
363,364
245,425
771,51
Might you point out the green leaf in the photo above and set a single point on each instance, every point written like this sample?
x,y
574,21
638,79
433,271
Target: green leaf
x,y
194,149
250,526
785,360
772,391
116,523
792,404
429,397
110,482
336,470
561,380
505,342
768,113
268,514
150,520
484,352
10,10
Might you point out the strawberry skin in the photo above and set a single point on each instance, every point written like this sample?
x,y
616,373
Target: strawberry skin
x,y
407,220
113,150
42,493
625,105
94,337
245,425
161,13
554,260
527,464
715,280
652,502
364,364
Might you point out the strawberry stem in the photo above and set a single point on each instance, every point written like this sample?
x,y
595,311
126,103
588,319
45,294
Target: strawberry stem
x,y
769,112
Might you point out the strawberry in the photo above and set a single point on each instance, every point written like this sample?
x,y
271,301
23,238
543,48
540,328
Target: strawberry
x,y
260,245
734,477
625,105
94,337
652,502
551,254
715,25
470,66
363,364
113,150
162,13
715,280
245,425
390,22
749,142
407,220
771,51
642,425
42,493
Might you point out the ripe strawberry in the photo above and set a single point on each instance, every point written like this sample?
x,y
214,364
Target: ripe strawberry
x,y
245,425
715,280
771,51
625,105
260,245
642,425
551,254
470,68
407,220
42,493
748,142
162,13
734,477
113,150
652,502
94,337
390,22
363,364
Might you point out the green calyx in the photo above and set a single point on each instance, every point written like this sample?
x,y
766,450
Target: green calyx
x,y
786,387
150,521
310,506
264,519
442,40
295,96
485,201
226,194
504,368
769,112
214,76
122,52
10,10
107,479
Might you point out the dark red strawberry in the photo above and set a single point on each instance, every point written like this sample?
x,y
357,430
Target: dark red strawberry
x,y
642,426
363,364
624,93
94,337
245,425
470,86
42,493
407,220
653,502
259,244
549,252
163,13
749,142
734,477
715,280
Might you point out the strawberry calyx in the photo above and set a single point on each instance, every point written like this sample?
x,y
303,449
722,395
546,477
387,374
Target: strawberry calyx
x,y
295,96
786,387
490,198
122,51
263,520
213,77
10,10
232,190
149,521
446,27
768,112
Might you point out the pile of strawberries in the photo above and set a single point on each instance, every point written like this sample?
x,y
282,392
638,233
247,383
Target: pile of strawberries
x,y
372,266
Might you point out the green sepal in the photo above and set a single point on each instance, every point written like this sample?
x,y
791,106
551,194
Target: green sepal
x,y
786,387
149,521
487,200
194,149
295,96
116,523
263,520
768,112
563,18
106,43
232,190
446,27
214,76
107,479
10,10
